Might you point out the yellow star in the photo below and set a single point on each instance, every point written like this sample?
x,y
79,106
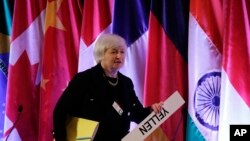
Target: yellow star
x,y
51,18
43,83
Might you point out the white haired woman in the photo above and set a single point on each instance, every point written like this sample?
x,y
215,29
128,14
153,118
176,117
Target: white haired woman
x,y
103,94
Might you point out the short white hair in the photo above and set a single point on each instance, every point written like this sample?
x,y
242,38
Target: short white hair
x,y
106,41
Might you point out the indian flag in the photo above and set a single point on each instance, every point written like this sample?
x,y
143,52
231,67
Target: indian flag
x,y
204,67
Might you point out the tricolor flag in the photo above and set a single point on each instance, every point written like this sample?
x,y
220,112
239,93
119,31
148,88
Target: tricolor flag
x,y
59,58
166,68
22,102
130,20
235,92
6,11
204,67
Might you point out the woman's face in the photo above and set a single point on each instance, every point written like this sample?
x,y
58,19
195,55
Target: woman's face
x,y
113,58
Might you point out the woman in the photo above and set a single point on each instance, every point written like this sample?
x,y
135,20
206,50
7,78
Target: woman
x,y
103,94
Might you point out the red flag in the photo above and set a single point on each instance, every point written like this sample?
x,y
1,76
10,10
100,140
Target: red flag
x,y
22,107
235,98
59,57
166,69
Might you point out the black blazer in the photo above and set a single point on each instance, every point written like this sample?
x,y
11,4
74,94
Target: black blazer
x,y
89,95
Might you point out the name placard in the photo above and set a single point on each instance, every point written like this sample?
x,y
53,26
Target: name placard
x,y
152,121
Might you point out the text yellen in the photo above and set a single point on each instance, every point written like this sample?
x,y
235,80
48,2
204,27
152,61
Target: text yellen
x,y
147,126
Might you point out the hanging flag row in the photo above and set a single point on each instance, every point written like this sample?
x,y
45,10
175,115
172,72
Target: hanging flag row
x,y
200,48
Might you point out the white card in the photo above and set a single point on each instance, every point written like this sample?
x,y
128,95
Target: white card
x,y
152,121
117,108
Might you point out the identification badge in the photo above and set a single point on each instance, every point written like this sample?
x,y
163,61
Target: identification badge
x,y
117,108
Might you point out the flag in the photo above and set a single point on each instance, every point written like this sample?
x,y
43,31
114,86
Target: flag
x,y
204,67
235,98
22,101
6,11
130,20
166,68
59,58
96,18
